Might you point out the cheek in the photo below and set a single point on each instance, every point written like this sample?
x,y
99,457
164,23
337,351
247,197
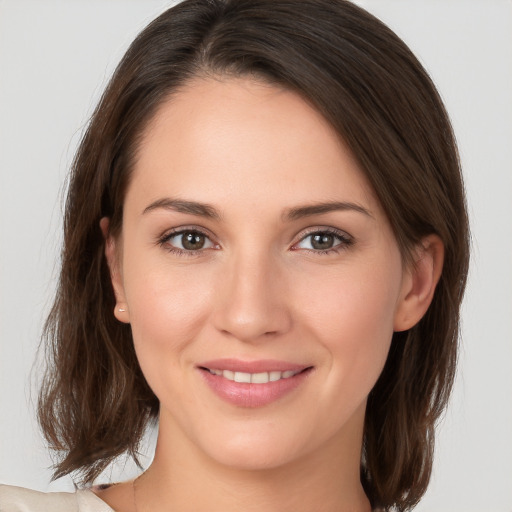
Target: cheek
x,y
353,300
167,309
351,313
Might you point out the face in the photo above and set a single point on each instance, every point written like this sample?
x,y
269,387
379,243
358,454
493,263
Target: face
x,y
259,274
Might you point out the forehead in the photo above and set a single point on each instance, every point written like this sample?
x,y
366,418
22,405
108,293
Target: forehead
x,y
215,139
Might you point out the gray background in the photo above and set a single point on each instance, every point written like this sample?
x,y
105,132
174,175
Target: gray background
x,y
55,59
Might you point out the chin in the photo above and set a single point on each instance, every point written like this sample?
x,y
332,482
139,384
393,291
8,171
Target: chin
x,y
248,457
256,447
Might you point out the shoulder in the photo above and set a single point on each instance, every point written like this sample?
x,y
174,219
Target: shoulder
x,y
20,499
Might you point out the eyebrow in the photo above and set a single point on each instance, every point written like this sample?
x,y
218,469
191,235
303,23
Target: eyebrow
x,y
182,206
320,208
298,212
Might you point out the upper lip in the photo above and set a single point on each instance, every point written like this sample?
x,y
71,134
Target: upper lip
x,y
262,365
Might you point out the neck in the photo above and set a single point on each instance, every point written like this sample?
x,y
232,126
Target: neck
x,y
183,478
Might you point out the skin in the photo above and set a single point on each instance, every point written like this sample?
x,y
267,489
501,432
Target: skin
x,y
258,289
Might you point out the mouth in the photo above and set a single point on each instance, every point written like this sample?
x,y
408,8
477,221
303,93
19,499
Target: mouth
x,y
255,378
253,384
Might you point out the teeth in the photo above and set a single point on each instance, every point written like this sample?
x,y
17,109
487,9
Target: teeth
x,y
242,377
254,378
259,378
273,376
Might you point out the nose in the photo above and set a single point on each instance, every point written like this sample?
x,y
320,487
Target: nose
x,y
252,303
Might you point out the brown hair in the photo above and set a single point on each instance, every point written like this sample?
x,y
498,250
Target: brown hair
x,y
95,403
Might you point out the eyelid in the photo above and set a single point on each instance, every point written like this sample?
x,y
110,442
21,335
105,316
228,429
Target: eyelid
x,y
170,233
346,238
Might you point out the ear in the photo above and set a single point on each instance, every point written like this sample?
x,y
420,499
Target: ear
x,y
112,255
419,282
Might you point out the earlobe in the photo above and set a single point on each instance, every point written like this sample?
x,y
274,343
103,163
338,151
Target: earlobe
x,y
419,283
112,257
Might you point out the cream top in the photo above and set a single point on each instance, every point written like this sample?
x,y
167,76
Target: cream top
x,y
19,499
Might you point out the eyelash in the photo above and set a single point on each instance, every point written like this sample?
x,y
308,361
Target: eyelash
x,y
163,241
345,241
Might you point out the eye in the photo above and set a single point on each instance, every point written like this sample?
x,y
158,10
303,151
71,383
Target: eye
x,y
188,240
323,241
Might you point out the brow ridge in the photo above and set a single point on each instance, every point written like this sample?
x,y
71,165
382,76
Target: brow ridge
x,y
321,208
290,214
183,206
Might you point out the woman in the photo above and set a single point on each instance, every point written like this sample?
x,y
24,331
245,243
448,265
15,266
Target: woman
x,y
266,247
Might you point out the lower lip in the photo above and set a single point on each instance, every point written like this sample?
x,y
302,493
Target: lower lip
x,y
243,394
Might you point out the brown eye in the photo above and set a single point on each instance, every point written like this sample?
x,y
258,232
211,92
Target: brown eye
x,y
187,241
192,241
322,241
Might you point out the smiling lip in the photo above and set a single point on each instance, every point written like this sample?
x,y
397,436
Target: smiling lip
x,y
252,383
